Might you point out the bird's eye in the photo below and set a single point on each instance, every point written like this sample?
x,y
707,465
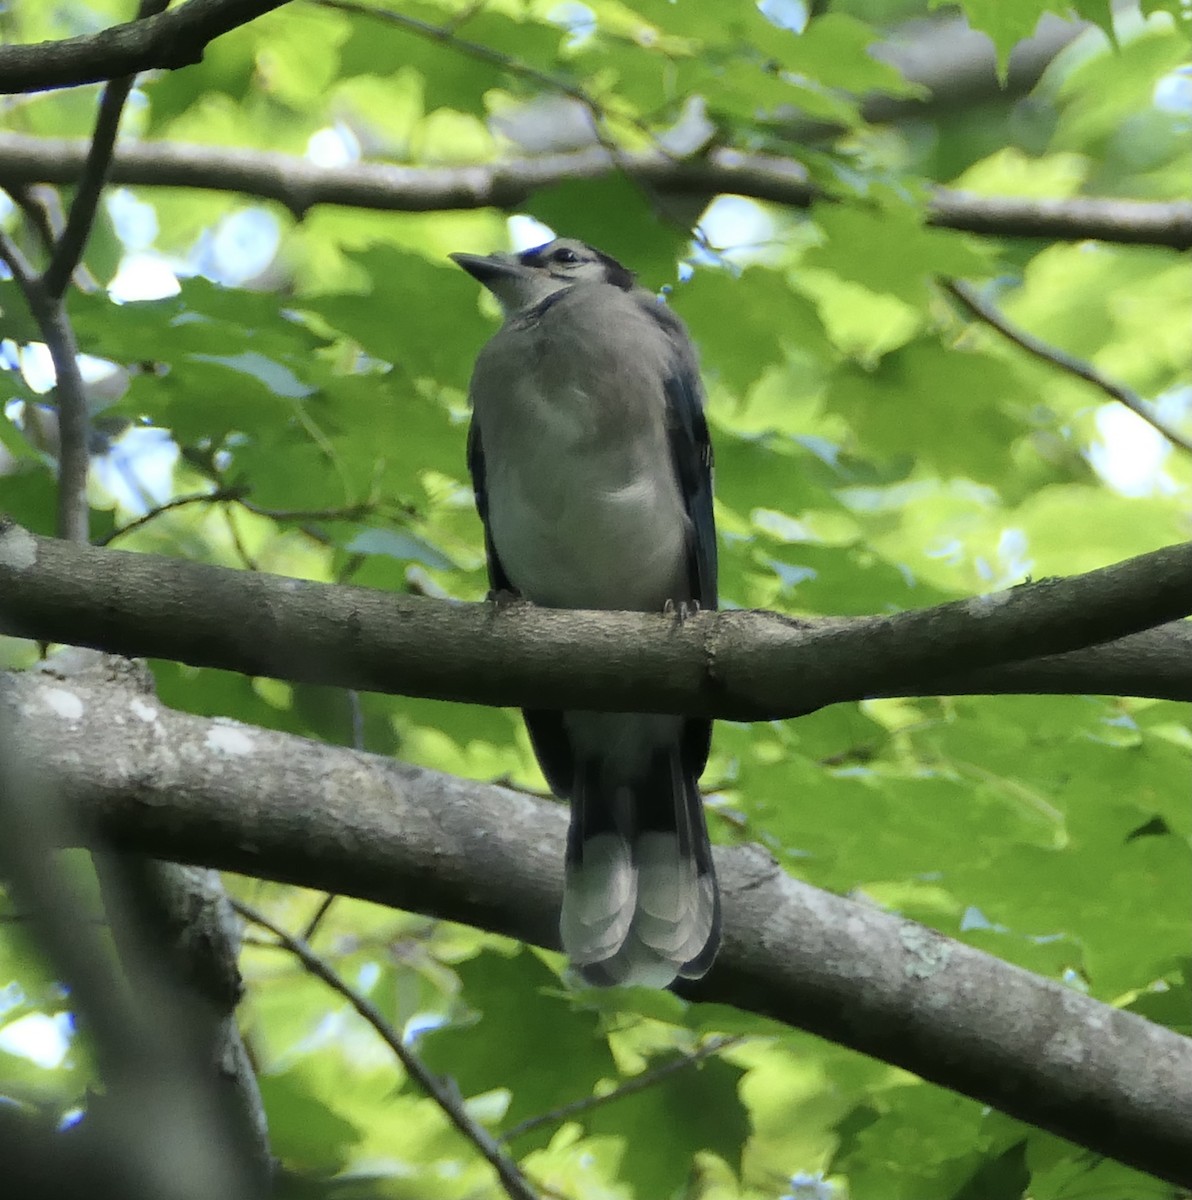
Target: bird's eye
x,y
565,255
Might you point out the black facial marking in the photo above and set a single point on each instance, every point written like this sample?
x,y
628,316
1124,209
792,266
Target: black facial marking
x,y
542,257
614,273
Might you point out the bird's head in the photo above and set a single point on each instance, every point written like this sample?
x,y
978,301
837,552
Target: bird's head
x,y
520,281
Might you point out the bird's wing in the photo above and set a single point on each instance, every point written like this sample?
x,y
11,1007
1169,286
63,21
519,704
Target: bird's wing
x,y
691,454
551,745
497,579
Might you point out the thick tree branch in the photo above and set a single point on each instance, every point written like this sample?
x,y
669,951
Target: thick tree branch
x,y
299,185
1107,220
736,664
1155,663
171,39
275,806
171,1131
180,930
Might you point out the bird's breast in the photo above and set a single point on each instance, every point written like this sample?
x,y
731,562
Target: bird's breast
x,y
583,514
567,540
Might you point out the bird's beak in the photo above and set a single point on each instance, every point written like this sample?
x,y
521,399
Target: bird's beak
x,y
491,268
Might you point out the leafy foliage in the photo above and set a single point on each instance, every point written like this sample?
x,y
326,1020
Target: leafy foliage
x,y
875,452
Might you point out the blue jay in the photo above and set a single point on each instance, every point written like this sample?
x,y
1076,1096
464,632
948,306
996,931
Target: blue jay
x,y
592,469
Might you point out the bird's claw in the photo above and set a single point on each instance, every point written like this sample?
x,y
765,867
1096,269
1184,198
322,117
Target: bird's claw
x,y
505,598
681,610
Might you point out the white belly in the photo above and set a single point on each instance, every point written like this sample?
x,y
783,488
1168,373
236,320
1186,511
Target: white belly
x,y
573,545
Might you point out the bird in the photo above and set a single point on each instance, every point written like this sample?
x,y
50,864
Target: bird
x,y
591,466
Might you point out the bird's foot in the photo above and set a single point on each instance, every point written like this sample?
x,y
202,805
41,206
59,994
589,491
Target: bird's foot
x,y
681,610
504,598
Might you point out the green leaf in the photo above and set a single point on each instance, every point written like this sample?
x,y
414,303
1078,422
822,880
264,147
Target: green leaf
x,y
620,218
665,1125
900,406
304,1132
524,1032
759,299
398,545
395,324
1007,22
889,250
453,78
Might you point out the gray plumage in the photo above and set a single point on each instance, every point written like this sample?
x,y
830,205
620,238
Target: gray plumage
x,y
592,469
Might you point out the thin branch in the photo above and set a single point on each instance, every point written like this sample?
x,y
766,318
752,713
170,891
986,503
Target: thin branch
x,y
280,807
250,563
18,265
74,420
42,207
443,1092
214,497
300,184
69,250
350,512
638,1083
176,38
968,298
447,35
37,213
239,494
317,917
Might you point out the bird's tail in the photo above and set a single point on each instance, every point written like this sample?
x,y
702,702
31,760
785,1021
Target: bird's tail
x,y
641,904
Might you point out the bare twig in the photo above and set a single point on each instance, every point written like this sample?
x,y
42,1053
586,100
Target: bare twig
x,y
250,563
74,423
317,917
447,35
18,265
300,185
215,497
985,312
42,207
638,1083
74,418
441,1091
37,213
351,512
69,250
